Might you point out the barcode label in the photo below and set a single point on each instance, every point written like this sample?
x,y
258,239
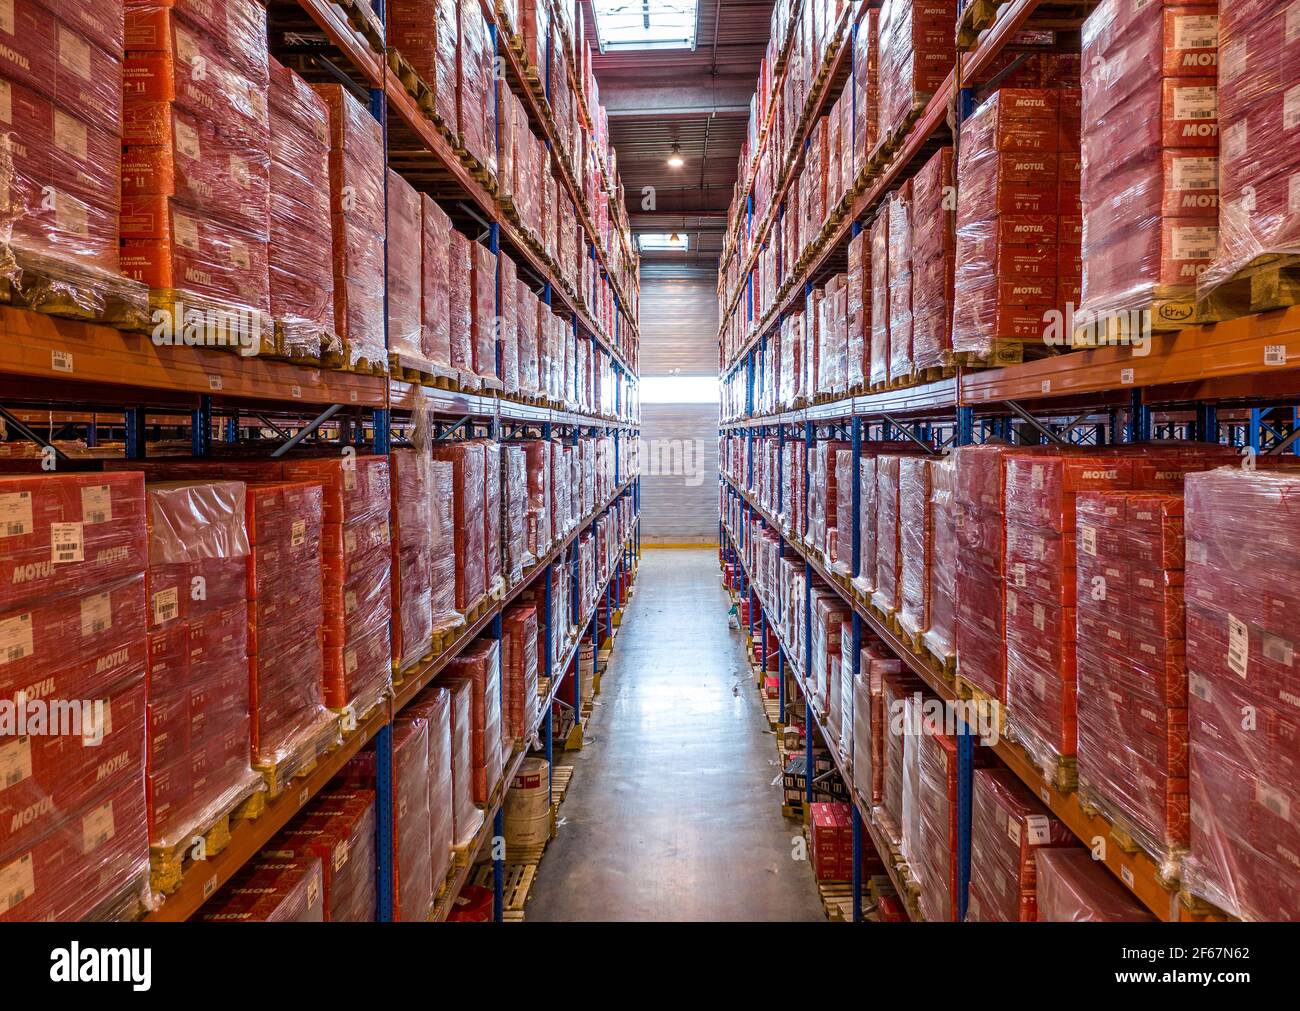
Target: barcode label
x,y
1126,377
166,605
17,882
60,361
1238,646
15,638
1275,354
299,532
15,514
66,543
96,614
1039,829
295,392
96,504
97,828
1088,539
214,382
15,762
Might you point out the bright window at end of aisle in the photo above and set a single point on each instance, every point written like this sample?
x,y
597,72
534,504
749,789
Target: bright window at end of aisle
x,y
645,24
651,242
679,389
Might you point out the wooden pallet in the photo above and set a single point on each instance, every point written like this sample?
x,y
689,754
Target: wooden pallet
x,y
278,775
167,864
967,691
976,16
516,886
772,708
1268,282
561,777
57,287
837,900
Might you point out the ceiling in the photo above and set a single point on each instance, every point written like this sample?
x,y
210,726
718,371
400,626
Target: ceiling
x,y
698,100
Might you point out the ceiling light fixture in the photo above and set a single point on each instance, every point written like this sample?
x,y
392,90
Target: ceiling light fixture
x,y
675,159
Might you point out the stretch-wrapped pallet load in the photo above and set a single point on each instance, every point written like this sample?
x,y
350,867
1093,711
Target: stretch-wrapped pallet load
x,y
435,309
358,215
300,260
61,78
901,280
271,889
290,724
356,559
519,659
932,832
1150,158
1132,684
1008,826
916,544
413,889
460,310
480,665
1075,888
474,91
933,251
74,841
878,374
412,556
514,513
468,490
900,691
339,828
405,263
434,705
1013,238
197,690
507,326
940,635
196,167
483,314
1259,135
871,721
426,33
1242,559
917,53
492,501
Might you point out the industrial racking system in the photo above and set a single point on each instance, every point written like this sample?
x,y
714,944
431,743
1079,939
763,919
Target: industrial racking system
x,y
1235,382
70,376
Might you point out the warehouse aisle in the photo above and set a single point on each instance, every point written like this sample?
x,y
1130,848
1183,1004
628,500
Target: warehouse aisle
x,y
672,814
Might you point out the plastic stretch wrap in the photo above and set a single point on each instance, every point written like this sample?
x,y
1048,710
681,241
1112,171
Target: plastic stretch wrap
x,y
474,91
880,299
933,247
466,816
538,522
1075,888
435,237
411,576
483,311
339,828
1150,147
831,352
1008,826
1132,689
459,303
515,514
865,580
519,672
405,222
270,889
237,28
870,720
857,288
828,614
301,263
492,502
841,519
435,704
917,53
289,720
73,825
527,309
197,687
1242,561
468,488
822,492
900,281
358,220
905,820
887,594
425,32
480,664
830,833
1014,239
1259,134
916,543
898,749
413,883
356,558
507,335
932,846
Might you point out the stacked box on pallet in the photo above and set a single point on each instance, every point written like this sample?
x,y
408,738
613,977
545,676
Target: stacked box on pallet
x,y
460,311
899,273
899,693
74,841
339,828
823,493
426,33
1150,146
887,595
435,309
405,262
474,91
435,704
1242,560
300,262
869,720
492,498
290,723
1132,686
411,576
917,52
940,634
507,327
878,373
866,83
469,524
1259,215
1075,888
1042,490
196,187
271,889
466,816
828,613
915,543
1014,238
830,831
933,250
480,665
526,326
931,832
1008,826
197,688
358,219
483,314
519,658
356,557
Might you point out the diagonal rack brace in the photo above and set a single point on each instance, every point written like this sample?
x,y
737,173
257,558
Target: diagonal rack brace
x,y
27,433
323,417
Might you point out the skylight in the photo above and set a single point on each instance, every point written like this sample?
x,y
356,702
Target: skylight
x,y
644,24
659,242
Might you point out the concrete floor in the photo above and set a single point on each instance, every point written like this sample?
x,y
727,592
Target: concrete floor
x,y
673,813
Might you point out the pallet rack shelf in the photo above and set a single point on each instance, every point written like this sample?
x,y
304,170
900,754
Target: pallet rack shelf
x,y
1137,871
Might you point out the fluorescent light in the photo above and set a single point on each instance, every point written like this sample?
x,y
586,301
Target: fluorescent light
x,y
663,242
678,389
644,24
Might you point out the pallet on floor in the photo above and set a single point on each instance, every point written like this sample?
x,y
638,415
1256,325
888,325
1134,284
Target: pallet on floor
x,y
837,900
516,886
561,777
